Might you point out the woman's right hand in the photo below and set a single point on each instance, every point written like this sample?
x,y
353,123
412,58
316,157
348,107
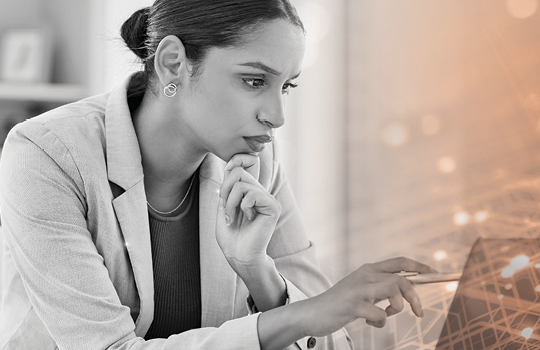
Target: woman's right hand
x,y
252,214
355,297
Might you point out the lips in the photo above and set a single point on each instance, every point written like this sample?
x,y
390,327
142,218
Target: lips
x,y
258,143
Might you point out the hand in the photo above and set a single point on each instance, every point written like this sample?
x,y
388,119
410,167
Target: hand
x,y
355,297
247,215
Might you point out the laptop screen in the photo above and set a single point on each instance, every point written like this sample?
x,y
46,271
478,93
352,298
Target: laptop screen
x,y
497,302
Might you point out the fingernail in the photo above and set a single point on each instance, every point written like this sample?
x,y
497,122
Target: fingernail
x,y
418,306
227,220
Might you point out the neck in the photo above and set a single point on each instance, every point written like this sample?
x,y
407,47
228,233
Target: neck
x,y
169,157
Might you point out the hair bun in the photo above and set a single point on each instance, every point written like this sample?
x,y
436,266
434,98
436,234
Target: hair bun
x,y
133,31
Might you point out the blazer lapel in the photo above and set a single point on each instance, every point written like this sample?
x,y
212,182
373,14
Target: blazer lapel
x,y
124,166
132,214
218,279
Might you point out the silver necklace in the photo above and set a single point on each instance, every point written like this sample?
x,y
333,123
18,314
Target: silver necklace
x,y
178,206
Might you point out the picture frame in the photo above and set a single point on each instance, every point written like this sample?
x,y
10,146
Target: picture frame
x,y
26,55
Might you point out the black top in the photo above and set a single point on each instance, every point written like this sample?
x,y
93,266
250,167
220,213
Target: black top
x,y
177,276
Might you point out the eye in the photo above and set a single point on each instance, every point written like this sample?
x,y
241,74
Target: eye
x,y
286,87
254,83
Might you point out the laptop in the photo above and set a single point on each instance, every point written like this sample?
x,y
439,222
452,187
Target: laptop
x,y
497,301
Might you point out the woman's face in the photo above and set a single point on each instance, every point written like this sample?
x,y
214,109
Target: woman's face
x,y
236,102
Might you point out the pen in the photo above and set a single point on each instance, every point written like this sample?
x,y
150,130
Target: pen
x,y
423,278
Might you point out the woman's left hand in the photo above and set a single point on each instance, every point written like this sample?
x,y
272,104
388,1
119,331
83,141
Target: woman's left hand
x,y
247,215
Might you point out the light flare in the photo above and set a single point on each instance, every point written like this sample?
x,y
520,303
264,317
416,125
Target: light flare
x,y
522,8
527,332
446,165
461,218
481,216
451,287
440,255
518,263
507,272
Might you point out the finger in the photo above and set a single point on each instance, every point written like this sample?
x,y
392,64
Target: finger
x,y
233,201
374,316
395,288
401,264
391,311
251,200
228,219
378,325
396,301
247,205
388,290
236,175
409,294
248,162
222,217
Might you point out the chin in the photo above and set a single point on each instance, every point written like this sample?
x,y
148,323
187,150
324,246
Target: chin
x,y
227,156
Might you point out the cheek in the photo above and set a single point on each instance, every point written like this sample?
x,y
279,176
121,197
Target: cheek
x,y
225,111
232,110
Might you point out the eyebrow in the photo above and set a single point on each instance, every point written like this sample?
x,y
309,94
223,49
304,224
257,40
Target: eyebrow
x,y
265,68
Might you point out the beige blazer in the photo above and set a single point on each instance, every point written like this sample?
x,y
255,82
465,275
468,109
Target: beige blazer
x,y
77,270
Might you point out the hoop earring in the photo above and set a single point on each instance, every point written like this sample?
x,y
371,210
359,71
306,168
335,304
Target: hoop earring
x,y
170,90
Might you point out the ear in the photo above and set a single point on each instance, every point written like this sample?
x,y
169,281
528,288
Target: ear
x,y
170,61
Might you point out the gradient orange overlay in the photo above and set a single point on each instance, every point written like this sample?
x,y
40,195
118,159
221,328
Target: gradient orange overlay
x,y
443,146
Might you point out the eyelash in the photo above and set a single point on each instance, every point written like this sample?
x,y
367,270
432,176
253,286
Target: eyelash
x,y
250,83
288,86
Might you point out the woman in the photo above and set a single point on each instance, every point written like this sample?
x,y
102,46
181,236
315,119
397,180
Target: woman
x,y
157,216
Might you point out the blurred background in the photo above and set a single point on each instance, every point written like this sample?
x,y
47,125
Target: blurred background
x,y
414,130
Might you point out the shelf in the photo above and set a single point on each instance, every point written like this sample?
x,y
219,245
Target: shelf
x,y
42,92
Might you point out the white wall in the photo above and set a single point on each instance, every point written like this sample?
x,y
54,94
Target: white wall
x,y
316,127
1,255
112,61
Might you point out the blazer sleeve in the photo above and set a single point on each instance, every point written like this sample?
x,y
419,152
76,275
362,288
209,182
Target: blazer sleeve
x,y
43,215
293,252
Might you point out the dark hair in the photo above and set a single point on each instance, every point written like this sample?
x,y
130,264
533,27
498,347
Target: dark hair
x,y
200,24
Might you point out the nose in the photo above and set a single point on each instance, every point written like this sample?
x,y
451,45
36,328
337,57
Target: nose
x,y
272,114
